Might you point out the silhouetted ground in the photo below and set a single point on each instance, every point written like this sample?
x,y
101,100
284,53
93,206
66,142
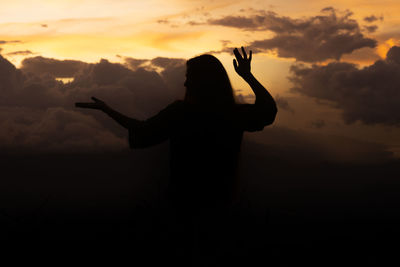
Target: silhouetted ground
x,y
316,213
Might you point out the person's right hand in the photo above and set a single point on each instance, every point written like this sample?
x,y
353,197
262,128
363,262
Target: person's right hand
x,y
97,104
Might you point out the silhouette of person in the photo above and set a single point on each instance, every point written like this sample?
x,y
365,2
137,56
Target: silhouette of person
x,y
204,130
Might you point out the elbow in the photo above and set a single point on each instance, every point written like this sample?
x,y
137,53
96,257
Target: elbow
x,y
270,118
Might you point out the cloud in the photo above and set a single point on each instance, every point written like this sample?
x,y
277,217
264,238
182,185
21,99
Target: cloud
x,y
318,124
34,105
168,62
9,42
37,112
57,68
134,63
373,18
10,78
371,28
328,35
370,94
56,130
163,21
172,71
313,39
283,103
241,22
20,53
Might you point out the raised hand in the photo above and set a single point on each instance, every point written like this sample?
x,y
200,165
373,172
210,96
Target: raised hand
x,y
242,63
97,104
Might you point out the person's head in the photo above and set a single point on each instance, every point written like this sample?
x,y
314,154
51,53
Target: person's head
x,y
207,82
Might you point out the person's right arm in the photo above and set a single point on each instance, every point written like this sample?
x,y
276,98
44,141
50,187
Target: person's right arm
x,y
121,119
141,133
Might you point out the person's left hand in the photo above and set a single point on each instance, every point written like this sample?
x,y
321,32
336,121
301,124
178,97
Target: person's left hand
x,y
242,63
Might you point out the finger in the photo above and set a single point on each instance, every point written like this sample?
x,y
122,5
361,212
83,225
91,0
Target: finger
x,y
251,55
235,65
244,53
237,55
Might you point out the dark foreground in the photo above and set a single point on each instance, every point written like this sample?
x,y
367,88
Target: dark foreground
x,y
321,214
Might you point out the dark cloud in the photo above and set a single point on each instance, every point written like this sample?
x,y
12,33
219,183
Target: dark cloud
x,y
165,62
34,105
20,53
170,23
228,48
372,18
173,73
57,68
134,63
10,77
283,103
393,55
171,70
329,9
241,22
195,23
37,112
225,42
371,28
370,95
240,98
328,35
27,89
163,21
9,42
244,98
141,92
58,129
318,124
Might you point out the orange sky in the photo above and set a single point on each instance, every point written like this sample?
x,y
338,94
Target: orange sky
x,y
93,29
90,30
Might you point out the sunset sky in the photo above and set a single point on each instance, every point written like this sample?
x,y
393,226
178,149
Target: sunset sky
x,y
316,57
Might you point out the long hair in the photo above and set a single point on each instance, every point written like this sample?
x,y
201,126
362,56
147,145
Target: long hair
x,y
207,82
